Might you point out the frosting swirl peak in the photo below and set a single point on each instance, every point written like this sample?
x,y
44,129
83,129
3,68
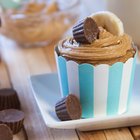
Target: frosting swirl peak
x,y
108,49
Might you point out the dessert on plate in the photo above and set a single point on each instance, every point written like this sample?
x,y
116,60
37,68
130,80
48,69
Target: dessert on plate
x,y
97,65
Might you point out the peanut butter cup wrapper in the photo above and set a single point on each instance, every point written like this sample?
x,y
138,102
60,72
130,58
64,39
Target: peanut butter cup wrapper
x,y
13,119
14,126
103,90
68,108
9,99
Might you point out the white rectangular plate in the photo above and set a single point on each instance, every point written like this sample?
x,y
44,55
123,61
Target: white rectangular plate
x,y
46,91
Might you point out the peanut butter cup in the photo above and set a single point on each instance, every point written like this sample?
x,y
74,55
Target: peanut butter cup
x,y
9,99
5,132
68,108
86,31
13,119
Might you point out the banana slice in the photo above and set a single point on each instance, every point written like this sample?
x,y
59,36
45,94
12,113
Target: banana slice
x,y
109,21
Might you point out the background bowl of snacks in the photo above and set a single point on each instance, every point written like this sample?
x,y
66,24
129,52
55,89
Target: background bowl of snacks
x,y
38,23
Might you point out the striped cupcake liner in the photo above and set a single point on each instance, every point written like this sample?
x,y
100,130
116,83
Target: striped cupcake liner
x,y
103,90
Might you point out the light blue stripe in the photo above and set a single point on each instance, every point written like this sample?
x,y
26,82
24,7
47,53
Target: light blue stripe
x,y
114,87
86,72
131,82
63,75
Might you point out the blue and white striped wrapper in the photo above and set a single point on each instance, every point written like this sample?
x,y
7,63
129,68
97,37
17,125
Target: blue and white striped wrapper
x,y
103,90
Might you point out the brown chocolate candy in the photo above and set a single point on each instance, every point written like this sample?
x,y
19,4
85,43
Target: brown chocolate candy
x,y
13,119
68,108
5,132
86,31
9,99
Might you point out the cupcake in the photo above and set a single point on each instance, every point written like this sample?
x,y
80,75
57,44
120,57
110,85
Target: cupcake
x,y
97,64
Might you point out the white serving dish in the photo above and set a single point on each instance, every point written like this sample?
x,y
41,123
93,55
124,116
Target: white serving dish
x,y
46,91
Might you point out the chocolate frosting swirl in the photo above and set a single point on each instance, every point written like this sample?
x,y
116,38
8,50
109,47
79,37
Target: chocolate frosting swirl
x,y
108,49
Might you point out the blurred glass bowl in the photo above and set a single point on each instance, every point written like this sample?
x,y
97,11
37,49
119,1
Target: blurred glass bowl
x,y
39,28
